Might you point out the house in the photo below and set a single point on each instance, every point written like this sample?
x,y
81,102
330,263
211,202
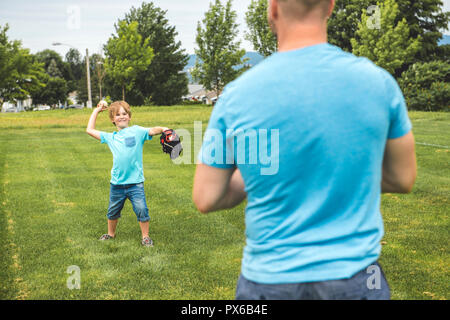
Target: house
x,y
19,106
199,93
73,96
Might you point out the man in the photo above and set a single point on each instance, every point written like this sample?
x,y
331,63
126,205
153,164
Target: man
x,y
314,227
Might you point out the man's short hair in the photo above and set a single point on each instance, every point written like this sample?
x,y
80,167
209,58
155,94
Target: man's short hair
x,y
114,108
300,9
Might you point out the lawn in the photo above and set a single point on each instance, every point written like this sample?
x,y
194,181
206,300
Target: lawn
x,y
54,191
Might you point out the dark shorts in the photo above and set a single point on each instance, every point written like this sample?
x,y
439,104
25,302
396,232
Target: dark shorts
x,y
368,284
135,192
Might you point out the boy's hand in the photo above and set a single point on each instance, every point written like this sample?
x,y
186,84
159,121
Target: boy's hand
x,y
102,105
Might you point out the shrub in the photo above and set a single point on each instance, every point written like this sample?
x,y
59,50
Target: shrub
x,y
426,86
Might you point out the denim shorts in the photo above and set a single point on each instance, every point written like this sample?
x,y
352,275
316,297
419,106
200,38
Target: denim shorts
x,y
368,284
135,192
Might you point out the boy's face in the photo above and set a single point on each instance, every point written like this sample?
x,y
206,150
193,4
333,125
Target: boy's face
x,y
122,119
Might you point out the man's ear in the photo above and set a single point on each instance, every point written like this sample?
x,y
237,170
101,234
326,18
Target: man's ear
x,y
272,14
330,8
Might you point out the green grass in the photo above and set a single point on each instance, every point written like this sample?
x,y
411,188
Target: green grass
x,y
54,191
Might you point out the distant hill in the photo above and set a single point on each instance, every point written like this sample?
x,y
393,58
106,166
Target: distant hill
x,y
254,59
445,40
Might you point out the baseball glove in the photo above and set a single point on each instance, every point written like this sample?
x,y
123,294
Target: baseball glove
x,y
171,143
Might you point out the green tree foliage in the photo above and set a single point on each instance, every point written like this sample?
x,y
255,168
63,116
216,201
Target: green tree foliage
x,y
259,32
20,73
426,19
426,86
76,67
52,70
127,54
54,92
163,82
75,63
344,21
218,54
57,81
385,42
53,60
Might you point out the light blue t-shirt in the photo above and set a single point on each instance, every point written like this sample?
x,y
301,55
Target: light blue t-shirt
x,y
307,129
126,147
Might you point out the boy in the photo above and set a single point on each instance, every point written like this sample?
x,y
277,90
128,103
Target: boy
x,y
127,174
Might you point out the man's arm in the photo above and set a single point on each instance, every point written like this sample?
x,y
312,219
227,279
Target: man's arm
x,y
92,120
399,165
157,130
216,189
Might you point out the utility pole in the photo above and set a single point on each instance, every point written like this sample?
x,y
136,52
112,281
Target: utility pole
x,y
89,103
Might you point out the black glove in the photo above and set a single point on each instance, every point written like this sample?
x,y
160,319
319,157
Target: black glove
x,y
171,143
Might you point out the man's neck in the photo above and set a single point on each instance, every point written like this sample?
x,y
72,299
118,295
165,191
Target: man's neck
x,y
301,35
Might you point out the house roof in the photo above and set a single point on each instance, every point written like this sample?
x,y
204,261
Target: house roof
x,y
192,88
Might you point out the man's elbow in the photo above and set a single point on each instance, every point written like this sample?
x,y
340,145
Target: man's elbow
x,y
201,204
406,184
203,208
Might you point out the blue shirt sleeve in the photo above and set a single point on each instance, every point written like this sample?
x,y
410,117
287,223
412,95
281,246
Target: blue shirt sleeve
x,y
143,132
216,150
105,137
400,124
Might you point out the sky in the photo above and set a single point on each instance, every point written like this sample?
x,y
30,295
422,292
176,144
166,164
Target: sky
x,y
88,24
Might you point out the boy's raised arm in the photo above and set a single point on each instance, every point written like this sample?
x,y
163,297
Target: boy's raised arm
x,y
91,124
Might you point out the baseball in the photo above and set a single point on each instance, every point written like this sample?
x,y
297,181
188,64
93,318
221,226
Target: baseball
x,y
103,103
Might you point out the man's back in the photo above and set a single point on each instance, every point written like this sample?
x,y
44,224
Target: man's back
x,y
320,210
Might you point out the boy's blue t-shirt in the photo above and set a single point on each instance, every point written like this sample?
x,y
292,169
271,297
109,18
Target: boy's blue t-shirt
x,y
126,146
321,118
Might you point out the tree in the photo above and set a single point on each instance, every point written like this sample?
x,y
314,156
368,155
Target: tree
x,y
52,70
260,34
74,60
218,54
426,86
426,19
127,54
344,20
163,82
54,92
58,82
388,44
75,65
20,73
49,57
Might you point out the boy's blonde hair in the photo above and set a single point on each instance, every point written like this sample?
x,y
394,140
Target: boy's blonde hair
x,y
114,108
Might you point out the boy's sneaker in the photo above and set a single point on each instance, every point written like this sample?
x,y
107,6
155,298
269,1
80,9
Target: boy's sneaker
x,y
147,242
105,237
